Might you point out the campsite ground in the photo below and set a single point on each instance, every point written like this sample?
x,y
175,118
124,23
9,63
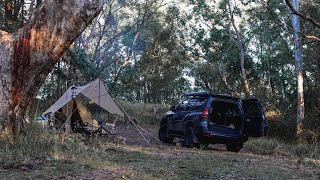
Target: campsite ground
x,y
128,156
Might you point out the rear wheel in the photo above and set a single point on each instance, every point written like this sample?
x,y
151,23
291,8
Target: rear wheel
x,y
188,138
234,147
164,135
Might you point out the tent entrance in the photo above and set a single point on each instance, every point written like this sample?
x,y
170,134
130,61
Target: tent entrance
x,y
74,115
72,108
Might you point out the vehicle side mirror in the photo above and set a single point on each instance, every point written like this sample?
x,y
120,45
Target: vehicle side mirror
x,y
173,108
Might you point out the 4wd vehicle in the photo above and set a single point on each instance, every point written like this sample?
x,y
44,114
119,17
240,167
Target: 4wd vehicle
x,y
204,118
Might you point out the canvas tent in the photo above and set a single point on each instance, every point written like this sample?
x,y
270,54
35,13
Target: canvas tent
x,y
71,104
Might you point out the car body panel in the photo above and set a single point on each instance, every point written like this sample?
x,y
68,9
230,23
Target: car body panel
x,y
255,123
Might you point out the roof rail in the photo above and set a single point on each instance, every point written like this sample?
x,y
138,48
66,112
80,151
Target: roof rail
x,y
206,94
225,96
199,94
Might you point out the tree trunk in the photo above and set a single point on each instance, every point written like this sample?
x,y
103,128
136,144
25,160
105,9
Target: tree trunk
x,y
58,90
28,55
298,63
8,9
239,39
223,75
72,71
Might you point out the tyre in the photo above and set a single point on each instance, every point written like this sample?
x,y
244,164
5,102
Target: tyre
x,y
188,138
245,138
163,134
235,147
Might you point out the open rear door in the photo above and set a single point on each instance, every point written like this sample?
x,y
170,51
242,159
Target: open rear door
x,y
255,123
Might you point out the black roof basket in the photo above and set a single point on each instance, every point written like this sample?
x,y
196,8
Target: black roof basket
x,y
206,94
198,94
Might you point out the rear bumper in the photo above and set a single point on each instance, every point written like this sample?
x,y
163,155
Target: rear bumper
x,y
220,136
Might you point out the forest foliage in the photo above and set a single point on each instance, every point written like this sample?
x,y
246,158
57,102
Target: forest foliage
x,y
152,51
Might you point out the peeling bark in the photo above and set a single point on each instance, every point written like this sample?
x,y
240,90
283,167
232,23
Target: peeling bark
x,y
28,55
298,64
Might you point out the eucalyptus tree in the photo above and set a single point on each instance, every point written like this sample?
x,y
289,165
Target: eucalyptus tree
x,y
221,38
298,64
103,40
29,54
309,31
311,63
157,73
12,15
270,44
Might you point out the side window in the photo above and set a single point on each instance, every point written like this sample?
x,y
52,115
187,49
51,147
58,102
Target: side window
x,y
182,106
196,104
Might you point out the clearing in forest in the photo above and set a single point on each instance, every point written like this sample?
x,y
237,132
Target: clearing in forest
x,y
112,159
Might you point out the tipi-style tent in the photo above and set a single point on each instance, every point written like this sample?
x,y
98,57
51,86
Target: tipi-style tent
x,y
70,106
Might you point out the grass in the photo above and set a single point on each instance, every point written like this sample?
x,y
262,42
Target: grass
x,y
270,146
145,113
43,155
131,162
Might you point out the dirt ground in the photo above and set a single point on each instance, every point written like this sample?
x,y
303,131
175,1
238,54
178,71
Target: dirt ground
x,y
129,155
129,135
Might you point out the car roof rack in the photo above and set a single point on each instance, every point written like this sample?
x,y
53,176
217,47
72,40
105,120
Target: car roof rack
x,y
225,96
206,94
198,94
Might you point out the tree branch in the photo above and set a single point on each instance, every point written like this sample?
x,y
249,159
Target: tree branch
x,y
311,37
306,17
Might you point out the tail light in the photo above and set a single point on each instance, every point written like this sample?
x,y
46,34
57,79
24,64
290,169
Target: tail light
x,y
205,112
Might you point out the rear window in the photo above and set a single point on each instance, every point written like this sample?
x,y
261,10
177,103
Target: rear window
x,y
226,114
194,104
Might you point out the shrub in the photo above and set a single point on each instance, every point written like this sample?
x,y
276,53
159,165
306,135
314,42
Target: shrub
x,y
265,146
145,113
281,126
273,146
36,145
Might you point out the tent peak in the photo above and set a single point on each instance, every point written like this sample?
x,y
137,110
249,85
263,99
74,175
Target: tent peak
x,y
95,91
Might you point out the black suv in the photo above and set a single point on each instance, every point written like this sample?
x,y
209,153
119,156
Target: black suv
x,y
204,118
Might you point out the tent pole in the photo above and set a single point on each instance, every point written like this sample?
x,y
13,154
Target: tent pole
x,y
99,103
91,127
67,103
67,106
75,109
